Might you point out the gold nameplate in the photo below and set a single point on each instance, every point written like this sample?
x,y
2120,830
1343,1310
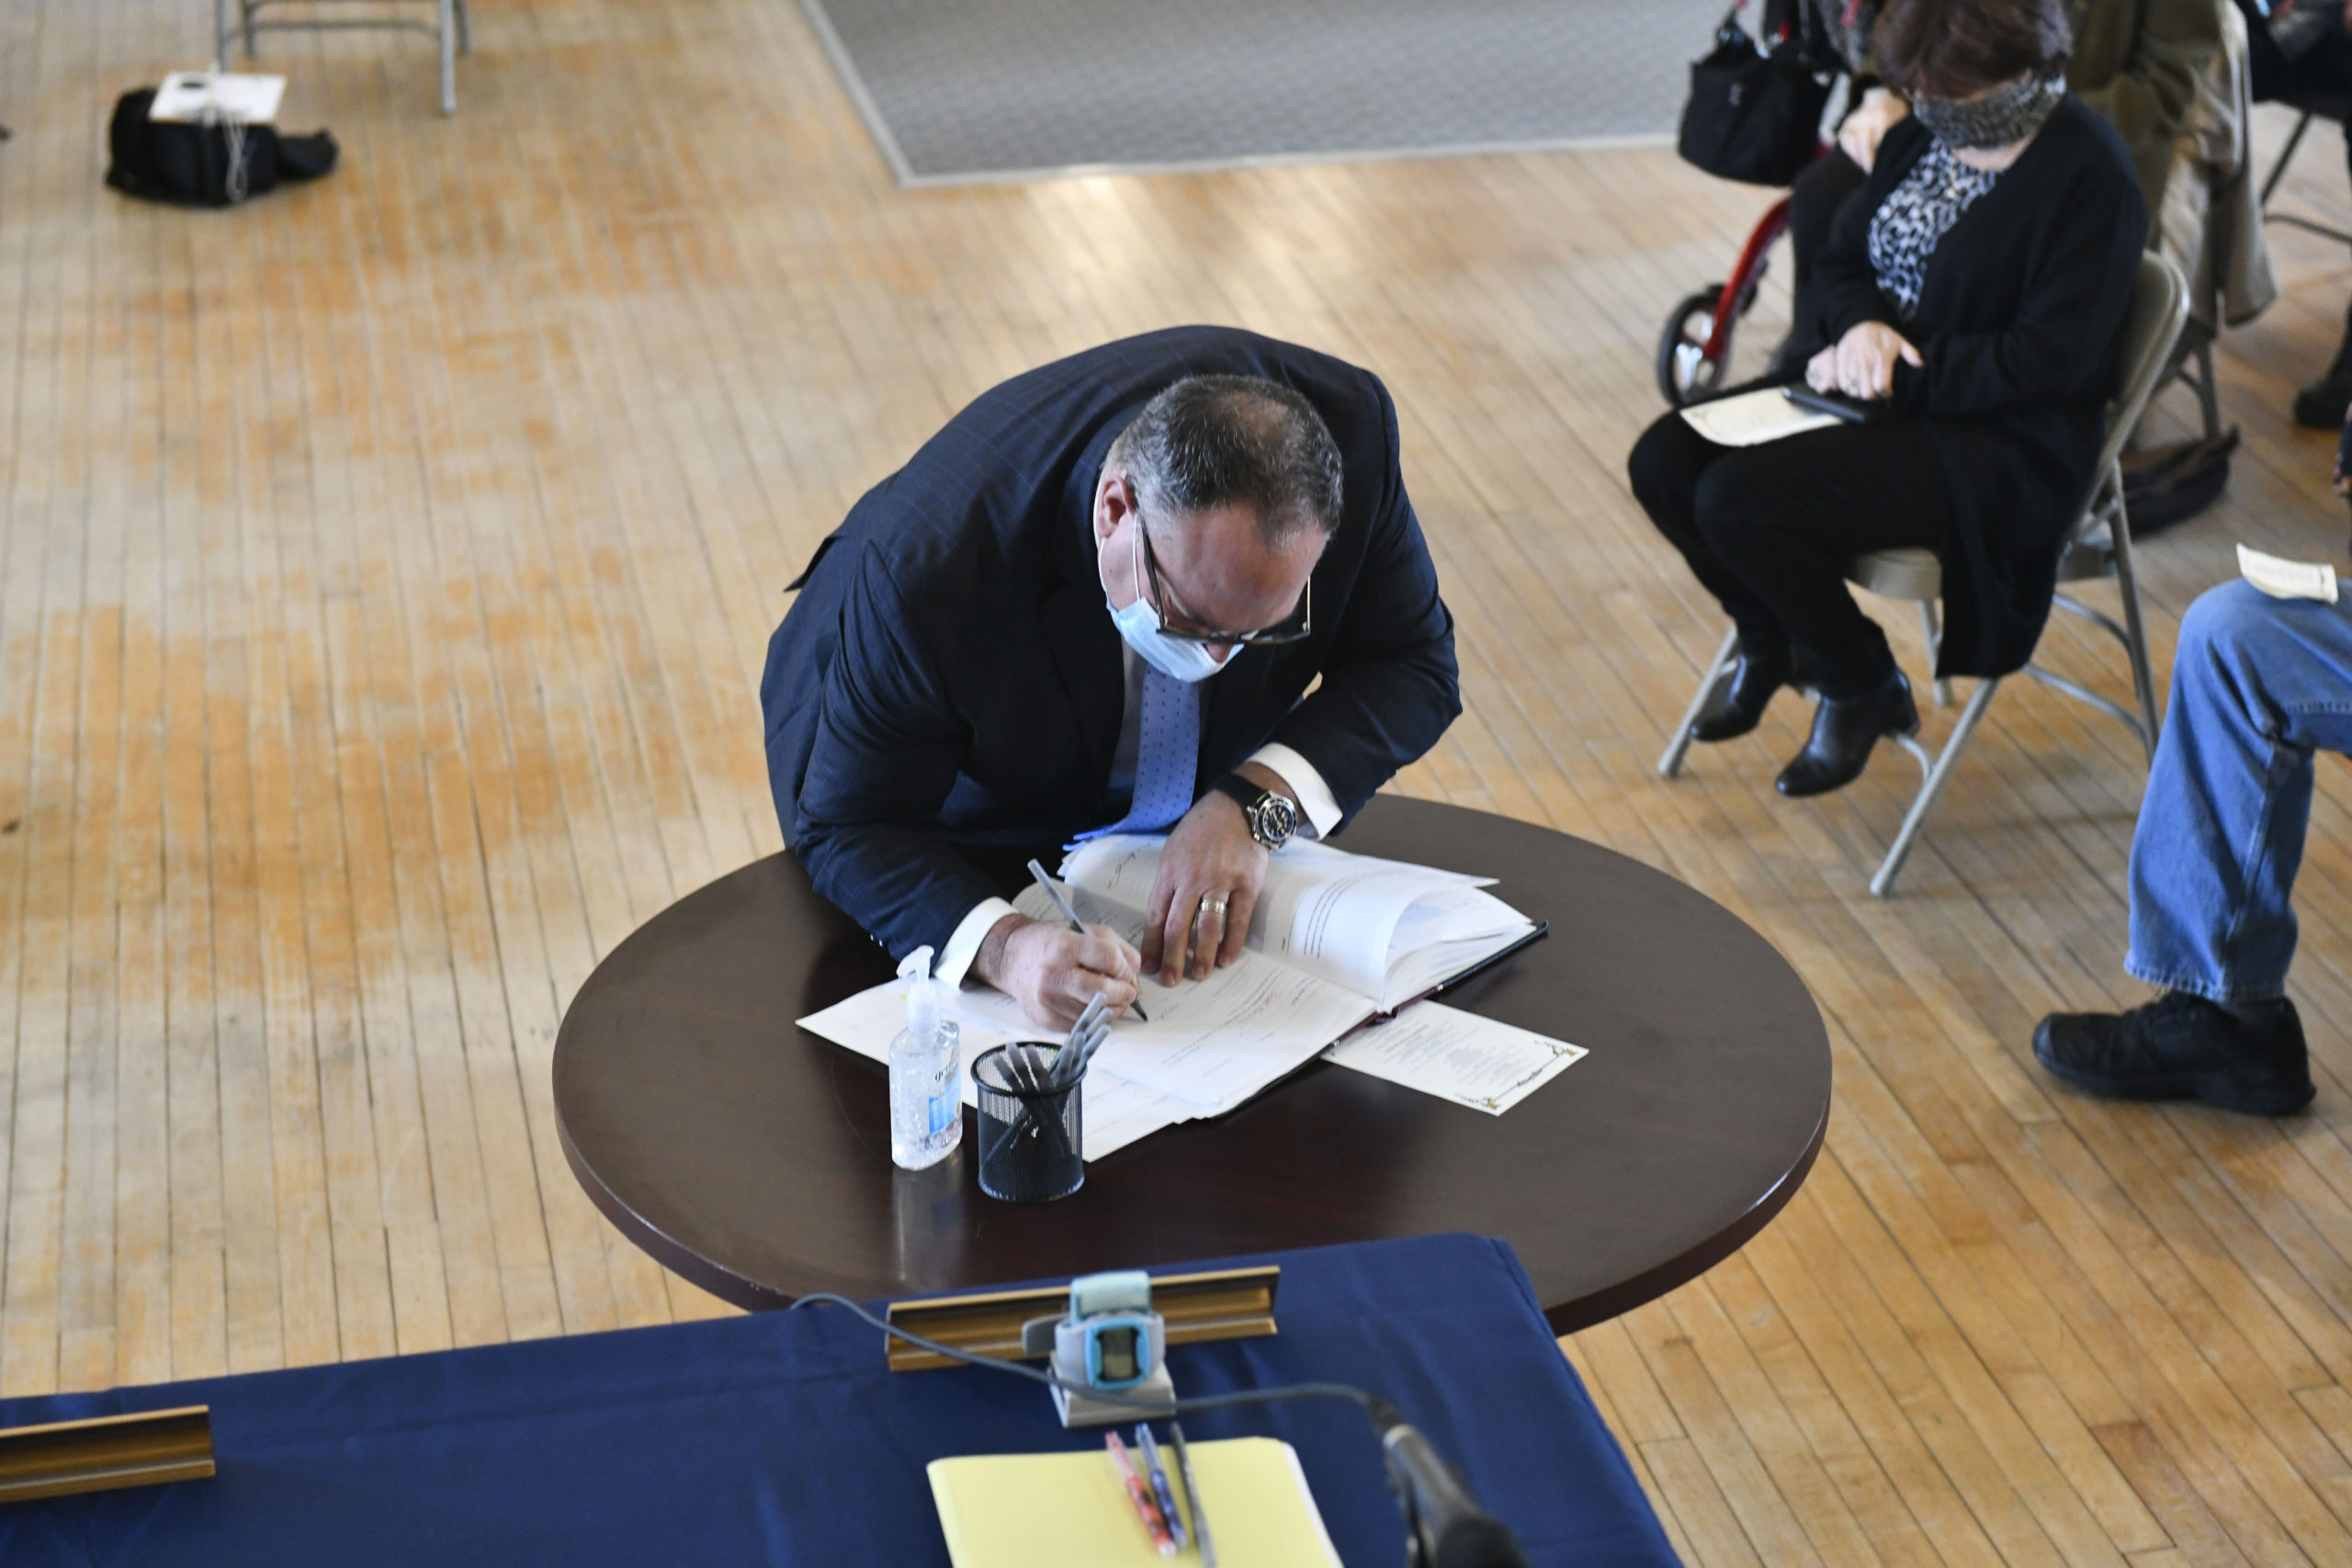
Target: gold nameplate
x,y
100,1455
1230,1303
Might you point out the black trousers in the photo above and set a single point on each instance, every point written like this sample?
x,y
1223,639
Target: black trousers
x,y
1768,530
2325,70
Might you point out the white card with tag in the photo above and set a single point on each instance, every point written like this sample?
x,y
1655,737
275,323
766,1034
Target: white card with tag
x,y
190,97
2287,579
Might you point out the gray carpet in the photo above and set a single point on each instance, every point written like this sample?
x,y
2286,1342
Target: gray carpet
x,y
962,90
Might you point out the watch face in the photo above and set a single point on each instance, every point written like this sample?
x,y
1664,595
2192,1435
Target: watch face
x,y
1273,820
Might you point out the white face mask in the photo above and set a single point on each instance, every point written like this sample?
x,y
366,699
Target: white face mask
x,y
1140,629
1172,657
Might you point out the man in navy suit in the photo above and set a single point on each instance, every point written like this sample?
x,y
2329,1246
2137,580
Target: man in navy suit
x,y
1096,600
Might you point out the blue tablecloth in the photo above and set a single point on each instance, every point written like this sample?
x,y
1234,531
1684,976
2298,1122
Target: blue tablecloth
x,y
780,1438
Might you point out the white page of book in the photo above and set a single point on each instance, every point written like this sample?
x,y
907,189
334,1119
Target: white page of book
x,y
1334,914
1116,1112
1751,419
1211,1044
1457,1055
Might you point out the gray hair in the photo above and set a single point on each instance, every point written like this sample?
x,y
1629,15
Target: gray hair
x,y
1225,440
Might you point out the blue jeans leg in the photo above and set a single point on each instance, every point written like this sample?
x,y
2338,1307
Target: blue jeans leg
x,y
2258,686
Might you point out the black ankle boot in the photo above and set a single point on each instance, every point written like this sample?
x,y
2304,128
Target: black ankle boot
x,y
1844,731
2320,405
1737,704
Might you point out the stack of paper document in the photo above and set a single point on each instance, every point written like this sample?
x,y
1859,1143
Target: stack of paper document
x,y
1751,419
1338,941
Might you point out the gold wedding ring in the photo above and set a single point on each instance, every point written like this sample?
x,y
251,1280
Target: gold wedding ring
x,y
1213,907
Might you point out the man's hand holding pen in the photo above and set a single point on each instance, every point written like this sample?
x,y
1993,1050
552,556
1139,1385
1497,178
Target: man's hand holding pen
x,y
1053,972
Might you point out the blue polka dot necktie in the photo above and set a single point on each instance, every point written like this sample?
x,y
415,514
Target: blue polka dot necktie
x,y
1167,752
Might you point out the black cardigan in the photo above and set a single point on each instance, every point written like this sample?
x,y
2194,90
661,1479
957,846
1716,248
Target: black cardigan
x,y
2018,321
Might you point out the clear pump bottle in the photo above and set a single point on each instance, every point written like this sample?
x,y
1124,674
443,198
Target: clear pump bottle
x,y
926,1074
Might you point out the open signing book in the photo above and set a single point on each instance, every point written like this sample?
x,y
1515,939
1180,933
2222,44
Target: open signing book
x,y
1336,941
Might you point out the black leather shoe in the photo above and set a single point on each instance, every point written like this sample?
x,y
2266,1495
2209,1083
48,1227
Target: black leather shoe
x,y
1843,733
2181,1047
2320,405
1738,704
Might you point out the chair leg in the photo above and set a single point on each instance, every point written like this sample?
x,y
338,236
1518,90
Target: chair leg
x,y
465,31
1670,764
245,13
448,57
220,35
2209,397
2286,156
2135,642
1930,629
1932,788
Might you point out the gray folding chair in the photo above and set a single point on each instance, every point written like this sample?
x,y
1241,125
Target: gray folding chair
x,y
2101,543
2310,106
448,29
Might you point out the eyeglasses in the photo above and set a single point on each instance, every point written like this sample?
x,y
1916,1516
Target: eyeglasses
x,y
1291,628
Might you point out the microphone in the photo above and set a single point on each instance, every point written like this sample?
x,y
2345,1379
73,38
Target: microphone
x,y
1447,1529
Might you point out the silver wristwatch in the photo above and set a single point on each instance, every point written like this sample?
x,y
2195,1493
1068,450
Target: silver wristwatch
x,y
1271,817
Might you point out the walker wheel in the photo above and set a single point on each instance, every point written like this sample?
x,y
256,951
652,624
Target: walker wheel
x,y
1685,374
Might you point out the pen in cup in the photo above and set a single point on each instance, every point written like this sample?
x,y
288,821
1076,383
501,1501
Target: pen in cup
x,y
1159,1486
1075,923
1138,1494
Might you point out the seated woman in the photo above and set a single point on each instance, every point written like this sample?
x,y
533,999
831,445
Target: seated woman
x,y
2135,61
1975,288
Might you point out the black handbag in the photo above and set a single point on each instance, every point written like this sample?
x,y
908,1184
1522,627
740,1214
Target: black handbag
x,y
204,165
1755,117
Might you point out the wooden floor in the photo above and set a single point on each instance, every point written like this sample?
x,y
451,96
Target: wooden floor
x,y
385,571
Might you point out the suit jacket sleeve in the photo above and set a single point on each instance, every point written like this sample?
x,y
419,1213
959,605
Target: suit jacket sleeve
x,y
1389,682
2079,285
889,746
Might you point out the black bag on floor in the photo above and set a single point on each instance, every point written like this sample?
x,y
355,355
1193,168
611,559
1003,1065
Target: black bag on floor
x,y
205,165
2165,485
1755,117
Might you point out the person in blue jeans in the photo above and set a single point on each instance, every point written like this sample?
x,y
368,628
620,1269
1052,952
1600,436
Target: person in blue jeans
x,y
2258,687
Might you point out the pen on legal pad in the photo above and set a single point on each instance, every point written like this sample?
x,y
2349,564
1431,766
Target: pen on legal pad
x,y
1193,1497
1075,923
1140,1495
1159,1485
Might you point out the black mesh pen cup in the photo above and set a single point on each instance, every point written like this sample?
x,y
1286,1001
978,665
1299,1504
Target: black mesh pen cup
x,y
1030,1138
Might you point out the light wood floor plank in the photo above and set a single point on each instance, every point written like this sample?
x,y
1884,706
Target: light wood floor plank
x,y
379,646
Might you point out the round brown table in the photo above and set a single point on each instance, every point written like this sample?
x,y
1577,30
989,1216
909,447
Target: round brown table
x,y
754,1158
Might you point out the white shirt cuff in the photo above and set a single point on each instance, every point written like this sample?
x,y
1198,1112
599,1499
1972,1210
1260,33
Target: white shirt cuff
x,y
1315,802
957,957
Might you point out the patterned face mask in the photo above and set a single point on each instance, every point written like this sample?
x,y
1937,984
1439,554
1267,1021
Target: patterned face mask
x,y
2010,114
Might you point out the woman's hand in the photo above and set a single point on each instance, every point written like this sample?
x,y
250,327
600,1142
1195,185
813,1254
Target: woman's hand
x,y
1866,358
1821,370
1879,112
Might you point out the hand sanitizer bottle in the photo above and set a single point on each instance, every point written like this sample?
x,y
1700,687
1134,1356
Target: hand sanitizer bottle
x,y
926,1074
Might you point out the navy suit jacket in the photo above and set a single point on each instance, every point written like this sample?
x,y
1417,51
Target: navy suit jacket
x,y
949,677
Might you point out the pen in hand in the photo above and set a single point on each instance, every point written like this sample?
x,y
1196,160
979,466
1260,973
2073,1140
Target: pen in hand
x,y
1075,923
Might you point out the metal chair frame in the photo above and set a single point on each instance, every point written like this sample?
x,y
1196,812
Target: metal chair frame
x,y
2101,543
451,30
2279,172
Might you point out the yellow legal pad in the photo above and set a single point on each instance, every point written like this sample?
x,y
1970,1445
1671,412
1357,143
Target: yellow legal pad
x,y
1071,1509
